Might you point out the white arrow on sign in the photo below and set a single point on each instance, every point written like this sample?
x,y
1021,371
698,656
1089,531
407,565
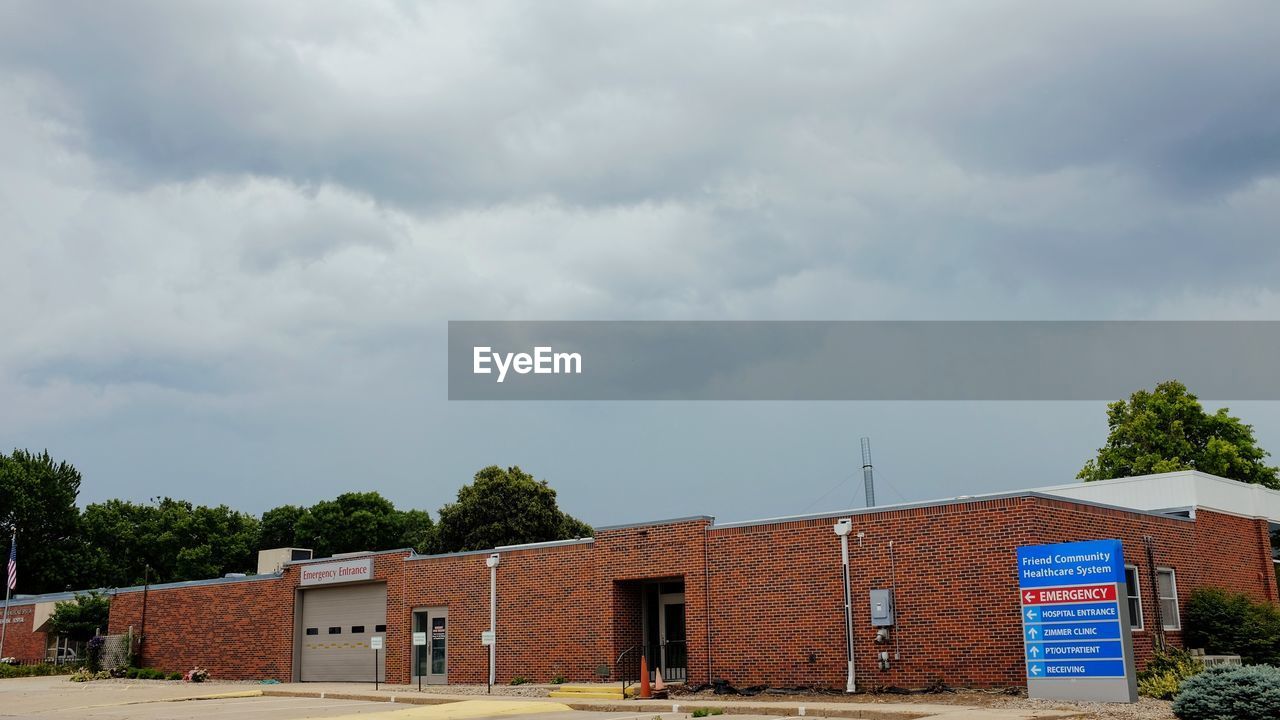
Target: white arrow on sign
x,y
1031,614
1032,632
1035,652
1029,596
1035,669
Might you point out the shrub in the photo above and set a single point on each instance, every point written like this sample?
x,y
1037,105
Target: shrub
x,y
519,680
1232,624
559,679
1230,693
175,676
1166,672
13,671
93,653
703,712
85,675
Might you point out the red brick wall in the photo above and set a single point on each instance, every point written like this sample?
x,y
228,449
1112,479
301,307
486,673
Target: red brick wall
x,y
777,596
550,613
562,610
676,551
20,641
774,593
778,602
1215,550
240,630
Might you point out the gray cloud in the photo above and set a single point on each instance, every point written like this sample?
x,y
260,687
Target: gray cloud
x,y
248,222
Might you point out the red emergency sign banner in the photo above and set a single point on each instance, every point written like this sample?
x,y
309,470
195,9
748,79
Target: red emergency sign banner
x,y
1073,594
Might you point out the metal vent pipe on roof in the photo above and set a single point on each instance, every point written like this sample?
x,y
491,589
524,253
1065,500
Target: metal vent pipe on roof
x,y
868,482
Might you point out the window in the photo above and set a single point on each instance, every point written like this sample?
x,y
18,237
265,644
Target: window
x,y
335,631
1135,596
1275,549
313,631
379,628
357,629
1167,589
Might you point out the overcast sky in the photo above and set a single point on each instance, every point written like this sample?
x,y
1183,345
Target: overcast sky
x,y
232,233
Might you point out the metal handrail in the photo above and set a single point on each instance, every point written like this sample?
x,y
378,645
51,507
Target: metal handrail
x,y
676,669
617,668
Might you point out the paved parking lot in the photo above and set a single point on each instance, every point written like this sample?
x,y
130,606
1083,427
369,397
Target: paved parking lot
x,y
54,698
57,699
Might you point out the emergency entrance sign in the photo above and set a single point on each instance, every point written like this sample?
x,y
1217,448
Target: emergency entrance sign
x,y
1075,622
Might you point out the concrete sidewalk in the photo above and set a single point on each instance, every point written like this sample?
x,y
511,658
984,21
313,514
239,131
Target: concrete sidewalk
x,y
736,706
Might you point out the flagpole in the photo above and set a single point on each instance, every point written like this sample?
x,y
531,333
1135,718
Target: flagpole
x,y
8,588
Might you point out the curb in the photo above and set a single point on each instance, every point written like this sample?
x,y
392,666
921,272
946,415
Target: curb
x,y
854,712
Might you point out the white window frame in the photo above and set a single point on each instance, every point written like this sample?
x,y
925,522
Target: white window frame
x,y
1135,593
1173,584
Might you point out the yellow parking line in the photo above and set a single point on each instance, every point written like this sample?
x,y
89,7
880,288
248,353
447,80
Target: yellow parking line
x,y
463,710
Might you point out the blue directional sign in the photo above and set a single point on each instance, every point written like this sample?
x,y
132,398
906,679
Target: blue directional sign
x,y
1094,668
1074,629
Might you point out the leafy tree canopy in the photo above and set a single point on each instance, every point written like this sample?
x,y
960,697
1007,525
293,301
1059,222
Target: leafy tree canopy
x,y
278,526
120,543
504,507
1167,429
82,618
38,499
175,539
352,522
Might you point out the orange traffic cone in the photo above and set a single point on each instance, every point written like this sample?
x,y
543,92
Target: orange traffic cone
x,y
645,694
659,687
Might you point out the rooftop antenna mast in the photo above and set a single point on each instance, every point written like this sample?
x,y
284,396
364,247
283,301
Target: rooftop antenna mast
x,y
868,482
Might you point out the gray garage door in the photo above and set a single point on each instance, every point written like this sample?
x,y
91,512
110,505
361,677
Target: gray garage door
x,y
337,624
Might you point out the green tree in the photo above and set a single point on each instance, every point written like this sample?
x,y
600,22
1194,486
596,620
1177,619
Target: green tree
x,y
1167,429
81,618
417,531
175,539
279,527
504,507
38,500
349,523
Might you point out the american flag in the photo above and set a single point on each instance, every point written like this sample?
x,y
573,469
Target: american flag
x,y
13,562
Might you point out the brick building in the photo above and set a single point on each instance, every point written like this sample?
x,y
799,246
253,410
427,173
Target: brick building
x,y
753,603
27,638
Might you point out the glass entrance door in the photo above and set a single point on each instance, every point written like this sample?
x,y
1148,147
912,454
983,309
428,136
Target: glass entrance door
x,y
431,661
673,650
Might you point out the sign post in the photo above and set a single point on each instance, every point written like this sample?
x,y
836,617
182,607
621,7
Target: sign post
x,y
1075,622
375,642
419,641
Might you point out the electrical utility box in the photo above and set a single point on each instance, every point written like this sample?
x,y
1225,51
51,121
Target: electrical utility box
x,y
881,608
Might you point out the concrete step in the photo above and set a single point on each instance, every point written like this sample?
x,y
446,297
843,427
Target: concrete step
x,y
586,696
593,692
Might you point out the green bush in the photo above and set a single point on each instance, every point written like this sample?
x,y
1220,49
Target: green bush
x,y
150,674
559,679
703,712
1166,671
519,680
1226,623
13,671
1230,693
